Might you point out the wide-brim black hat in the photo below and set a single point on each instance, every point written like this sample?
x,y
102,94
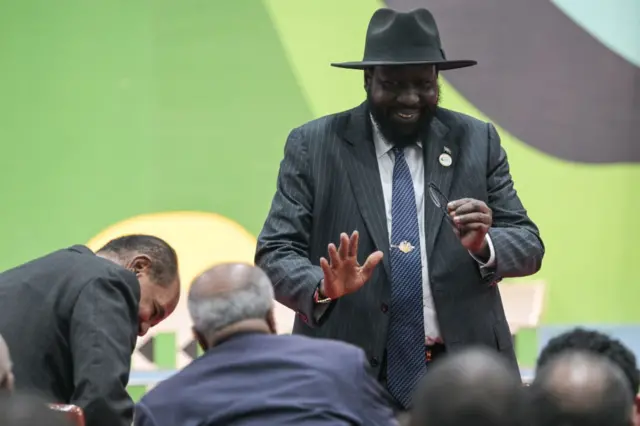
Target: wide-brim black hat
x,y
399,38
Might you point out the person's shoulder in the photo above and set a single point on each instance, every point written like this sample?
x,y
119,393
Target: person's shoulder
x,y
455,118
72,266
91,269
99,267
170,390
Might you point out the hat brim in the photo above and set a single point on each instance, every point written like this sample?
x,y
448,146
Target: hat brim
x,y
442,65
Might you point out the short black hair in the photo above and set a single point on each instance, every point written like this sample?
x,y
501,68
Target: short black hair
x,y
601,398
164,261
474,386
598,343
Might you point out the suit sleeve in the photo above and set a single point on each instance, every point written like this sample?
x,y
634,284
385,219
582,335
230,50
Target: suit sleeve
x,y
374,407
102,341
516,240
283,244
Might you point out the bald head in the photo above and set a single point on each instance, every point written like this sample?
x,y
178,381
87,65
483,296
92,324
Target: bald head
x,y
475,386
6,376
229,294
579,388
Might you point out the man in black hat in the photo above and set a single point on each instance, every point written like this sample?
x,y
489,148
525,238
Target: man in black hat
x,y
385,171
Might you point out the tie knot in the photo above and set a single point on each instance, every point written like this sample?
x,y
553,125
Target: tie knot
x,y
397,151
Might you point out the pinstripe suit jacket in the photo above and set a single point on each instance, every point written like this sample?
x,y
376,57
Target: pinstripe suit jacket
x,y
329,183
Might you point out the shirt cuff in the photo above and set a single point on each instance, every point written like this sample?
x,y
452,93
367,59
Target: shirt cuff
x,y
492,254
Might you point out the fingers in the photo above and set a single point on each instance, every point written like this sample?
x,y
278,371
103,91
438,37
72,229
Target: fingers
x,y
475,226
326,269
472,232
348,248
469,218
370,264
453,205
353,244
467,205
324,264
344,246
334,256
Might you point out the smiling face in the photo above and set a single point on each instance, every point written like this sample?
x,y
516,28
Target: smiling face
x,y
402,99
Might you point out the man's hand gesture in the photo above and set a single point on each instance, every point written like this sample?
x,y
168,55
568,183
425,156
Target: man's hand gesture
x,y
343,274
473,219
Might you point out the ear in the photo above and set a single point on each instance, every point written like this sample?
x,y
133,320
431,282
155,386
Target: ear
x,y
271,322
141,263
200,339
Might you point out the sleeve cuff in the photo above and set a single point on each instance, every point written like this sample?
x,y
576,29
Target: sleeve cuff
x,y
492,254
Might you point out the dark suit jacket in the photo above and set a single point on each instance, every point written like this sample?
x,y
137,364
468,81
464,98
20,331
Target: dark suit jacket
x,y
329,183
262,379
70,320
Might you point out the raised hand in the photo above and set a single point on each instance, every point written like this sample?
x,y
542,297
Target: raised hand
x,y
343,274
473,218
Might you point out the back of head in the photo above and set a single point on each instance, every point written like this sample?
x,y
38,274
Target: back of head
x,y
582,389
163,268
229,295
6,375
475,386
27,410
580,339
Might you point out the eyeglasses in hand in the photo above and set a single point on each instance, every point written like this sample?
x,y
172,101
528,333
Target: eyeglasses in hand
x,y
441,202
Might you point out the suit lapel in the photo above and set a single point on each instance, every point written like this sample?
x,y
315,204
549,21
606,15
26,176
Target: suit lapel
x,y
438,142
364,175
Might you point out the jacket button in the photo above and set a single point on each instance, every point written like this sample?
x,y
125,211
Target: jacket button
x,y
374,361
384,308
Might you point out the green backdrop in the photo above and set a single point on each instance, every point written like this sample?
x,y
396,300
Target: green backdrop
x,y
113,108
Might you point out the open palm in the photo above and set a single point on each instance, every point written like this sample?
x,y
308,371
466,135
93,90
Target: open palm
x,y
343,274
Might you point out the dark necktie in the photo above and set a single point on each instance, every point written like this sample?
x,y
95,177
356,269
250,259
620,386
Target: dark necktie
x,y
405,339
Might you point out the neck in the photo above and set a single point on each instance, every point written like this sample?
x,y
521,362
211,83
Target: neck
x,y
245,326
109,257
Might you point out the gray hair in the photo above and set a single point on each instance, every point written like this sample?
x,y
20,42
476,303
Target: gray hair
x,y
244,292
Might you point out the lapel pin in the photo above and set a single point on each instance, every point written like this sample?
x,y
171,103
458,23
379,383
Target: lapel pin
x,y
445,159
447,150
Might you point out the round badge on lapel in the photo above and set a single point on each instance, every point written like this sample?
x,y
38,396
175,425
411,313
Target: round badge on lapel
x,y
445,159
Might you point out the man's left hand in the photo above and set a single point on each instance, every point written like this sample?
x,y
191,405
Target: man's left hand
x,y
473,219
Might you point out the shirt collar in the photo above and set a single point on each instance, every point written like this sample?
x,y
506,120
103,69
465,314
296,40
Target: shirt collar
x,y
382,145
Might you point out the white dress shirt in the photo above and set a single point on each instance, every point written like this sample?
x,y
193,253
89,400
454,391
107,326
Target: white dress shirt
x,y
415,162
